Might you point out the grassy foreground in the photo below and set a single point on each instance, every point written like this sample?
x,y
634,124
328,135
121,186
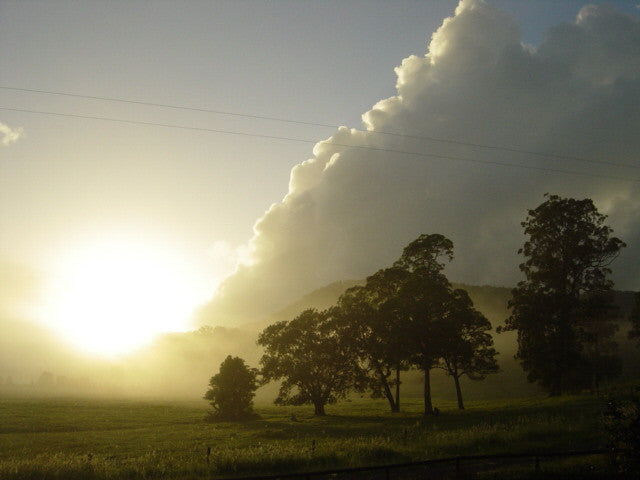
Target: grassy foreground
x,y
119,439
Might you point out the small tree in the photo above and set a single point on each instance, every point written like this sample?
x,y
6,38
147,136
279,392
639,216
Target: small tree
x,y
315,363
232,390
467,347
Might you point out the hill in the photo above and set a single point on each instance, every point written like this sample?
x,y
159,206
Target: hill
x,y
179,365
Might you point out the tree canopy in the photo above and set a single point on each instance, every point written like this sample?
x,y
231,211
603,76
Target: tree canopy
x,y
315,363
232,390
372,318
562,308
467,347
406,315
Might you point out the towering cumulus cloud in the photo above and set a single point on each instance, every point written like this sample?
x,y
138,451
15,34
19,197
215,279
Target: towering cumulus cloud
x,y
520,121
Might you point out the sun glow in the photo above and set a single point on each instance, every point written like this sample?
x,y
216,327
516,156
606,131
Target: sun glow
x,y
113,297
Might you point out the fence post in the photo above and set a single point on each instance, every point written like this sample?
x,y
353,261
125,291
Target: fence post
x,y
613,459
537,464
457,467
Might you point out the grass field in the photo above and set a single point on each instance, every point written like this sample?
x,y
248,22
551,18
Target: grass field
x,y
126,439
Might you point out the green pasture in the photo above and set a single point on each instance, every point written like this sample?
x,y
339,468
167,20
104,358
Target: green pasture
x,y
134,439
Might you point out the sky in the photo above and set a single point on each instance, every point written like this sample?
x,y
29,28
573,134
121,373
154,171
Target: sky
x,y
221,218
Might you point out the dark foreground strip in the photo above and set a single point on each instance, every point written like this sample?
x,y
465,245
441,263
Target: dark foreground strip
x,y
439,461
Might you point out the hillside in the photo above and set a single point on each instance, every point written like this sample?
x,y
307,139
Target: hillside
x,y
492,302
187,360
179,365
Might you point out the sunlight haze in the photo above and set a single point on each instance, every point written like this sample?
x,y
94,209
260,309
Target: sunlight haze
x,y
113,296
174,175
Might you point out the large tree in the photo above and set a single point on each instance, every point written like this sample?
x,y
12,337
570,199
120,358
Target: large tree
x,y
232,389
568,253
372,318
424,297
467,347
315,363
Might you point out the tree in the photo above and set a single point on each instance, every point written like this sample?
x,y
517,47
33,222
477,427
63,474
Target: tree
x,y
232,390
568,253
467,347
635,319
315,363
424,297
599,324
46,381
372,318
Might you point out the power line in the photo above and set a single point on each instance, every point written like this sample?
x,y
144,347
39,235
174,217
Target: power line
x,y
303,140
175,107
325,125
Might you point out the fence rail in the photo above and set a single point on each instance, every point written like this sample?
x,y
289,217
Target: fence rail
x,y
457,462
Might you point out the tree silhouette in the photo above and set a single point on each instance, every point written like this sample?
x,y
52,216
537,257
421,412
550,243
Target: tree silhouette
x,y
467,347
424,296
371,317
315,363
568,253
232,390
598,324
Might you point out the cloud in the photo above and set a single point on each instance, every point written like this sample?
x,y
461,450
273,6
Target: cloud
x,y
223,256
10,135
358,201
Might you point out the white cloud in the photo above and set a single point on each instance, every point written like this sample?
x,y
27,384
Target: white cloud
x,y
10,135
351,210
225,258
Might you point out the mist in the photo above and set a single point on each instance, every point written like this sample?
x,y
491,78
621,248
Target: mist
x,y
34,361
481,127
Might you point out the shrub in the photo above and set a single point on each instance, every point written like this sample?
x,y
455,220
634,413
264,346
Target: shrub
x,y
232,390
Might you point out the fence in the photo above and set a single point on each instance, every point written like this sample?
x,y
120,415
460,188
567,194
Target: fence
x,y
438,468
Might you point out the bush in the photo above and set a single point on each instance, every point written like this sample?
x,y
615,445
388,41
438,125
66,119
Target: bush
x,y
232,390
622,423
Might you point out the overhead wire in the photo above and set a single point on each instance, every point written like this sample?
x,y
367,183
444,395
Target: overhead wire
x,y
310,141
325,125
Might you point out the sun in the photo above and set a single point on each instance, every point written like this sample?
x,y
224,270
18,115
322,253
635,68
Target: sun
x,y
113,297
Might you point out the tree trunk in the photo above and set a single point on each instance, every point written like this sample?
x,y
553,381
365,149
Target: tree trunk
x,y
595,382
387,391
319,408
456,380
556,388
397,390
428,407
564,346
